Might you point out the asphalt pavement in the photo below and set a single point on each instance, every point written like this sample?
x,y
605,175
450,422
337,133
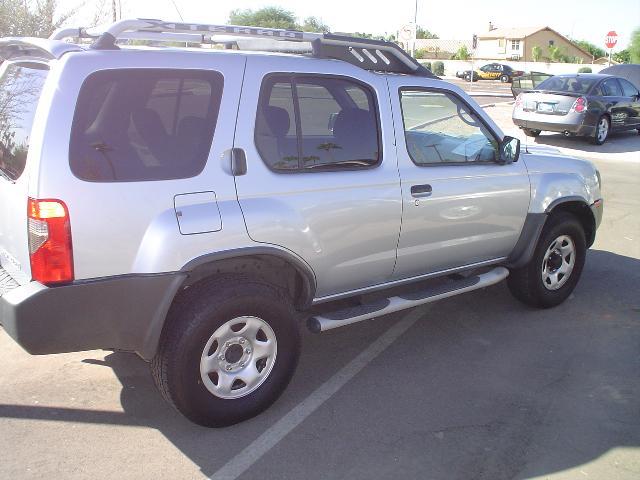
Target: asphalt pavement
x,y
472,387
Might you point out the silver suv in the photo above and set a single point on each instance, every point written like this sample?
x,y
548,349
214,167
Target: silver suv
x,y
194,205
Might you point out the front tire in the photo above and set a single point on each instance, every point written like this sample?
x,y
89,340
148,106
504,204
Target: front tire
x,y
555,268
504,78
602,130
229,349
531,133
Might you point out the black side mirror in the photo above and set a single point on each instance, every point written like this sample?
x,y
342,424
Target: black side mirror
x,y
509,150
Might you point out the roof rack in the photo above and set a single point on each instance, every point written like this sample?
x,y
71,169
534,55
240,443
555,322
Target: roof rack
x,y
375,55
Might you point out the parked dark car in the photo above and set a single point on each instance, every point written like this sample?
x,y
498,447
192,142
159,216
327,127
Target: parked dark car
x,y
527,82
491,71
589,105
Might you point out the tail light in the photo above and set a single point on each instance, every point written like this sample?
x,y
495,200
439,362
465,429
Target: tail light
x,y
50,248
580,105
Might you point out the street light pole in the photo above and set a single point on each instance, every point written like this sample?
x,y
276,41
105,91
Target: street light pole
x,y
415,30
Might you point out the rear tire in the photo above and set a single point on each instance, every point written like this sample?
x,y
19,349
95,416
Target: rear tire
x,y
603,127
531,133
561,248
204,379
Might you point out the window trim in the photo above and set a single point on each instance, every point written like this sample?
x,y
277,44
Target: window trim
x,y
445,91
209,73
292,76
622,81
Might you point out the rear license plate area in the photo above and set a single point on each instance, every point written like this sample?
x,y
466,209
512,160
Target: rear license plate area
x,y
546,107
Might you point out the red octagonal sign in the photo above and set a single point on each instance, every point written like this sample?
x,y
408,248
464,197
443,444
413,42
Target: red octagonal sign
x,y
611,40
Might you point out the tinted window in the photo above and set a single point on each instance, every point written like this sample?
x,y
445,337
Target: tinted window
x,y
611,88
144,124
440,128
627,88
567,84
20,88
314,122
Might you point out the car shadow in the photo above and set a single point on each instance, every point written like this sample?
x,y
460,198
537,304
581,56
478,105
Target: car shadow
x,y
509,446
618,142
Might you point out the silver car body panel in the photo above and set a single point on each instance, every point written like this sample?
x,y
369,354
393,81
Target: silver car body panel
x,y
475,212
345,226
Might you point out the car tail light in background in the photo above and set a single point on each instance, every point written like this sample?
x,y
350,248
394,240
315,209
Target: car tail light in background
x,y
50,248
580,105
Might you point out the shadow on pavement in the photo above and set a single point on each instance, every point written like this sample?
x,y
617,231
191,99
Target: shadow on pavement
x,y
506,392
618,142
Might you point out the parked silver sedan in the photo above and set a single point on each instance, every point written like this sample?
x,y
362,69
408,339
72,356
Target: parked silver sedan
x,y
588,105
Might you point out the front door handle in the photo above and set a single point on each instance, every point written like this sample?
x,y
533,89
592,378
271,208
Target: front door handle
x,y
419,191
238,162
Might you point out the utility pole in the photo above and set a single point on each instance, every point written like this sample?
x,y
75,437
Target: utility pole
x,y
415,30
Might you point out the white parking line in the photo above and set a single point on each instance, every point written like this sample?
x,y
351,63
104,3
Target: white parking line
x,y
274,434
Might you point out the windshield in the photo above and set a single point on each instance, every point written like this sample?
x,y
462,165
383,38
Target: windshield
x,y
20,88
567,84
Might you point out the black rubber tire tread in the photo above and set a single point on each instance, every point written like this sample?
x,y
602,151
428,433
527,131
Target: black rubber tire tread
x,y
531,132
525,283
193,317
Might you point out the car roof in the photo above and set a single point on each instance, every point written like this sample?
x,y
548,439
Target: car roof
x,y
588,76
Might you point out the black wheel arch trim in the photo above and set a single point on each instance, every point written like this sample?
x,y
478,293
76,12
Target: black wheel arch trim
x,y
532,229
305,271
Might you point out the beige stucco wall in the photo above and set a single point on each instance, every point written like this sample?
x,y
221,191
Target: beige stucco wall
x,y
542,39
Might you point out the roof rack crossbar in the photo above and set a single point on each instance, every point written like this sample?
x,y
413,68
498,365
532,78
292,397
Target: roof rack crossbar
x,y
369,54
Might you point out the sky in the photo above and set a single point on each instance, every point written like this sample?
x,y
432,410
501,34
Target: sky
x,y
450,19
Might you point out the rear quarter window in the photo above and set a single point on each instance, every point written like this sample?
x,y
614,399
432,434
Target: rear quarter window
x,y
144,124
20,89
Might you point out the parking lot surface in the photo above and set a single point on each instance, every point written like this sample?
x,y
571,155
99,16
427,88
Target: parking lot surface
x,y
473,387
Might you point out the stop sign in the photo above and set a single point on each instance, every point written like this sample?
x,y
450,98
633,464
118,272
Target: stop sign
x,y
611,40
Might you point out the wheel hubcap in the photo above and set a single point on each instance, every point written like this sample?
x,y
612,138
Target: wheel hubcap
x,y
558,262
603,129
238,357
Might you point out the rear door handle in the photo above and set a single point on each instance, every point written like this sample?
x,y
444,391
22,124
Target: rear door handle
x,y
419,191
238,162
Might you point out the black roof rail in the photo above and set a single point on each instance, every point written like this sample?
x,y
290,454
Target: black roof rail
x,y
369,54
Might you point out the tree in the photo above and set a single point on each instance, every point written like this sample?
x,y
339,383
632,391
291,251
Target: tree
x,y
461,54
313,24
30,18
556,54
536,53
595,51
268,17
623,56
424,33
634,47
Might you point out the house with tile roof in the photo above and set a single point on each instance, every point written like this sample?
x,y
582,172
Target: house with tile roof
x,y
518,43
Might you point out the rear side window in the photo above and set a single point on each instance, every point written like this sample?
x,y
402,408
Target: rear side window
x,y
144,124
20,89
611,88
315,123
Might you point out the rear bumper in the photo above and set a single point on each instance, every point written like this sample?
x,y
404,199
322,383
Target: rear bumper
x,y
121,313
573,123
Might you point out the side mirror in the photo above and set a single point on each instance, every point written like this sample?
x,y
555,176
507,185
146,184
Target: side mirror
x,y
509,150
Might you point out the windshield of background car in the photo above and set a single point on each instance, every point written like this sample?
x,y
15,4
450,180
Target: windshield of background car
x,y
20,88
568,84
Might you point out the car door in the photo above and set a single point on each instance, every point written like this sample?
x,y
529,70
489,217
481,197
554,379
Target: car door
x,y
615,103
632,96
460,207
322,178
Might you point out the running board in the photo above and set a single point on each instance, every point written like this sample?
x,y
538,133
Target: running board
x,y
347,316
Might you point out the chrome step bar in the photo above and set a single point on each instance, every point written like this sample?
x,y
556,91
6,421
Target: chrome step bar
x,y
348,316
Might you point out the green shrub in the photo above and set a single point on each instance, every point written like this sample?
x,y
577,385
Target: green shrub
x,y
584,70
426,65
438,68
420,53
